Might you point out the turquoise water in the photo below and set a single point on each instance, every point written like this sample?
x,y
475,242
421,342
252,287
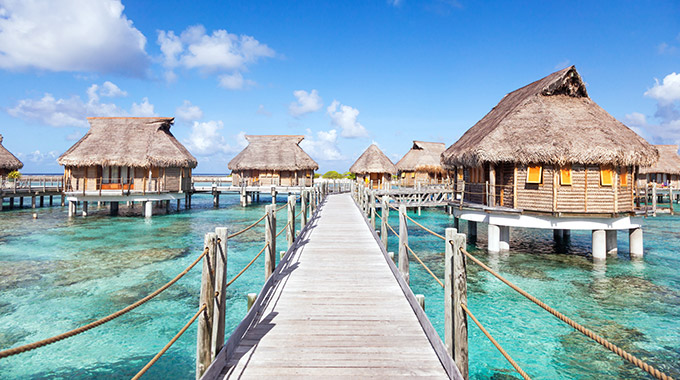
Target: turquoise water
x,y
57,274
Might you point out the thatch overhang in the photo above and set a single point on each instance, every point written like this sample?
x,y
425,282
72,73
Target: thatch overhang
x,y
423,156
273,152
373,160
8,161
669,161
129,141
550,121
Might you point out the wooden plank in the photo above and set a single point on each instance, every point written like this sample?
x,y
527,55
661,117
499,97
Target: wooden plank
x,y
309,321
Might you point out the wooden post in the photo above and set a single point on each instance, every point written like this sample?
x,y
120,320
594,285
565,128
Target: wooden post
x,y
670,198
654,198
403,242
270,238
385,214
372,206
205,320
455,294
220,307
290,233
303,208
492,185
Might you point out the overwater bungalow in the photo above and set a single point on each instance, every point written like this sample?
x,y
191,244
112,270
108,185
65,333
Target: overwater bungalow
x,y
547,156
8,161
666,172
422,164
127,159
373,168
273,160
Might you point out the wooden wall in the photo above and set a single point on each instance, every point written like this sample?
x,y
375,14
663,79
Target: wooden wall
x,y
165,179
273,177
584,195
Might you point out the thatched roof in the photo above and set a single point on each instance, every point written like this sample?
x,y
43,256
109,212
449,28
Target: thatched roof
x,y
129,141
669,161
423,156
8,160
273,152
550,121
373,160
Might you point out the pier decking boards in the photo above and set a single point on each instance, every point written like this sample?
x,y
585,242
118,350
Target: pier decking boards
x,y
334,309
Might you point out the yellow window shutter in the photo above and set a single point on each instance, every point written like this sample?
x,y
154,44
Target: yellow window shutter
x,y
534,173
606,176
624,176
565,175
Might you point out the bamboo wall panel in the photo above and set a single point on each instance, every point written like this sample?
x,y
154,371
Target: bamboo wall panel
x,y
570,198
535,197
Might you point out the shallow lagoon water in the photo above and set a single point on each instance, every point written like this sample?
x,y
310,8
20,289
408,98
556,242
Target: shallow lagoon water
x,y
57,274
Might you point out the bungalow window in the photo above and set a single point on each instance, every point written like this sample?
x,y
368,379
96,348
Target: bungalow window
x,y
460,174
534,173
403,175
565,175
606,176
623,178
413,175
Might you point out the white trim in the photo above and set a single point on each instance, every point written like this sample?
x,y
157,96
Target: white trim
x,y
123,198
549,221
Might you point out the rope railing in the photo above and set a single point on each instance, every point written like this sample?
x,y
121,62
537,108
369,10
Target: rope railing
x,y
495,343
247,266
172,341
590,334
425,266
282,207
282,229
425,228
392,229
235,234
99,322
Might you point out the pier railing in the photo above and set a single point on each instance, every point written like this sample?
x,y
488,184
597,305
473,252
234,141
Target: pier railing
x,y
31,184
211,313
455,285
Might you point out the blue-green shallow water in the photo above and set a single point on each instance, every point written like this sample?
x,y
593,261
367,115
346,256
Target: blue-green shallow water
x,y
57,274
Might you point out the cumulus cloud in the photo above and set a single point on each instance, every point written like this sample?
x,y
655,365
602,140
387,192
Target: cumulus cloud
x,y
188,112
73,111
345,117
666,92
324,146
221,52
37,157
306,102
206,139
70,35
666,126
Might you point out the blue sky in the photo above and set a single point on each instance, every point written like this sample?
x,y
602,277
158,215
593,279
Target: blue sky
x,y
344,74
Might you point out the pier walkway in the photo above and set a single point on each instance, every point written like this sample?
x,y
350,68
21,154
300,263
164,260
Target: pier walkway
x,y
335,307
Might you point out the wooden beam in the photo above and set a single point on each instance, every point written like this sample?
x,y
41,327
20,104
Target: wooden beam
x,y
205,320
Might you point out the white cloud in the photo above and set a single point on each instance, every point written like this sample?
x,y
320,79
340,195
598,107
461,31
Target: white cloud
x,y
74,110
666,128
70,35
144,109
38,157
323,147
220,52
189,112
263,111
345,117
306,102
234,81
396,3
206,139
110,90
666,92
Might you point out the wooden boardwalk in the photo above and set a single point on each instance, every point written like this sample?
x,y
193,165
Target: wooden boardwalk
x,y
335,308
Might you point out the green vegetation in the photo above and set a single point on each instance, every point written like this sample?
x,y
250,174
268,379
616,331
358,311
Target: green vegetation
x,y
350,175
333,175
317,175
14,174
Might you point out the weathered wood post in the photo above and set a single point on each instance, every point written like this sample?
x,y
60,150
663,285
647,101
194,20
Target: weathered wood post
x,y
220,307
273,195
421,300
270,240
385,215
403,242
372,207
251,297
303,208
670,198
205,320
455,294
654,198
290,233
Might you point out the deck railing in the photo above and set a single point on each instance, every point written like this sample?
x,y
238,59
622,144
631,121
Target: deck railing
x,y
122,186
31,183
211,313
455,285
